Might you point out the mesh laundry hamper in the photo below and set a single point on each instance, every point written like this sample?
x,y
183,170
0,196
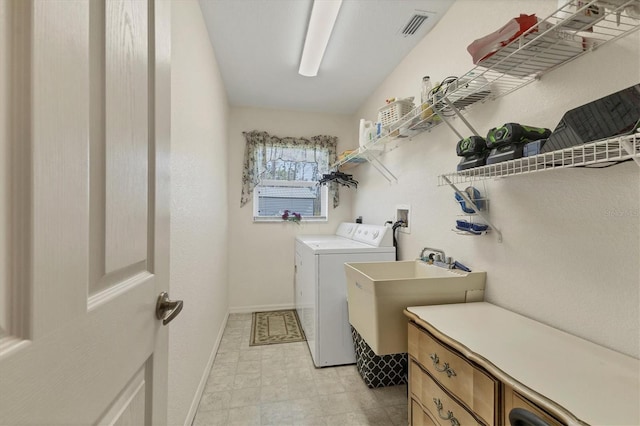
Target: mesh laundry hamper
x,y
378,371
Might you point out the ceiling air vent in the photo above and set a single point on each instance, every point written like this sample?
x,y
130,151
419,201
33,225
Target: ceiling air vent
x,y
415,22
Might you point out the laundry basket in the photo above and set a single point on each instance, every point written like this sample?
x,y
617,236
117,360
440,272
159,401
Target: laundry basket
x,y
378,370
394,111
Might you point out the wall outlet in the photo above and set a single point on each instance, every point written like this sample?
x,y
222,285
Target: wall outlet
x,y
403,212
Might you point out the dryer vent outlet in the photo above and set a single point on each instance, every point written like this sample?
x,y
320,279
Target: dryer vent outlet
x,y
403,213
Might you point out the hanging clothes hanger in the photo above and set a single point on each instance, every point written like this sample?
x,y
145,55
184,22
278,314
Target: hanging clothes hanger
x,y
340,178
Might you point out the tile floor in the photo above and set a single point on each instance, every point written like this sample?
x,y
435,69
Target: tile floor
x,y
279,385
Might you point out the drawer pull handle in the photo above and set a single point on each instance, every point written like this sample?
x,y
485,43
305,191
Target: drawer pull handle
x,y
445,367
450,416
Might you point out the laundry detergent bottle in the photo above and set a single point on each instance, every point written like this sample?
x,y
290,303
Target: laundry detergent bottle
x,y
367,132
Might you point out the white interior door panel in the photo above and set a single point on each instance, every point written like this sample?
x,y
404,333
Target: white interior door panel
x,y
85,131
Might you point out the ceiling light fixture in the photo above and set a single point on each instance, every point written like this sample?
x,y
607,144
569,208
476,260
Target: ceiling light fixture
x,y
323,17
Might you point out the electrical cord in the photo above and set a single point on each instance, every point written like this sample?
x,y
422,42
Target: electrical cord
x,y
443,88
595,166
394,228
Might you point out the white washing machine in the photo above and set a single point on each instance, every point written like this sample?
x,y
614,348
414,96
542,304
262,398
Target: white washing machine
x,y
321,289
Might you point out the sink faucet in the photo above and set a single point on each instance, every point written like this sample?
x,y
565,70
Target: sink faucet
x,y
437,256
432,250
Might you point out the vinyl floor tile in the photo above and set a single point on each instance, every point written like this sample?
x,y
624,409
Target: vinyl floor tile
x,y
279,385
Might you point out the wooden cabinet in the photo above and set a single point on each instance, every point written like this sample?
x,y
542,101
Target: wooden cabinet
x,y
475,363
445,382
452,389
447,389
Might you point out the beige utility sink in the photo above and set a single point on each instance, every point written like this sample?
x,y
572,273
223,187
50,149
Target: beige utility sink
x,y
378,292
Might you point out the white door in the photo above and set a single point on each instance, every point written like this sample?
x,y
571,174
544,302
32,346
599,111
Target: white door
x,y
84,128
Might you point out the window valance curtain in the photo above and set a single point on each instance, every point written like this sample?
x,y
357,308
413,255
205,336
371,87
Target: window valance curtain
x,y
274,158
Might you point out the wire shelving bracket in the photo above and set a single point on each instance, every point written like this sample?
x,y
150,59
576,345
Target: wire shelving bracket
x,y
384,171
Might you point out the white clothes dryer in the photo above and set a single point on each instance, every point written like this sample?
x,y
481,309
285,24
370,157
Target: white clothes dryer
x,y
321,290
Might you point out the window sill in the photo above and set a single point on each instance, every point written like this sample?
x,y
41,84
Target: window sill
x,y
279,219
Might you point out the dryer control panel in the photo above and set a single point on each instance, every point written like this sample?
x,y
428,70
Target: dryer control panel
x,y
347,229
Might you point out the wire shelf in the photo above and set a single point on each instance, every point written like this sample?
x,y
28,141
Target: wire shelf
x,y
594,154
550,43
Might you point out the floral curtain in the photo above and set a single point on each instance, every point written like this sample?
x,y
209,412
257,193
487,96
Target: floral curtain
x,y
271,157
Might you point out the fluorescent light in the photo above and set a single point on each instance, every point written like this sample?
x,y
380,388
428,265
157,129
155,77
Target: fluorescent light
x,y
323,17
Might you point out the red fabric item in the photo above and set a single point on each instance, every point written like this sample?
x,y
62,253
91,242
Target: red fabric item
x,y
486,46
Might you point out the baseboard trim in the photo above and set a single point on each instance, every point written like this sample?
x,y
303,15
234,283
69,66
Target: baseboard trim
x,y
260,308
205,375
203,380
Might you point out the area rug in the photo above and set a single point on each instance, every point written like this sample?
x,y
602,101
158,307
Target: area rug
x,y
268,328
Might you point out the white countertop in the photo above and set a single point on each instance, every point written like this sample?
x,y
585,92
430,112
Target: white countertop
x,y
597,385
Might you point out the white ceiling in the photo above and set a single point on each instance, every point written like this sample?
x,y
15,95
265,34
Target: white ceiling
x,y
258,45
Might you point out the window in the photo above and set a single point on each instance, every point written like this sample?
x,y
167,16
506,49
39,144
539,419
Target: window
x,y
283,175
272,197
288,180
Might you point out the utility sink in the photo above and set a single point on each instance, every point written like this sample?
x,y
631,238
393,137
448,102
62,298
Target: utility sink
x,y
378,292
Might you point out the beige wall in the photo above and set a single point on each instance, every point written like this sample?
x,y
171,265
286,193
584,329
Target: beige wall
x,y
198,209
571,251
261,254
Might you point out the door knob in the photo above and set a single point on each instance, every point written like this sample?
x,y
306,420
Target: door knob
x,y
166,309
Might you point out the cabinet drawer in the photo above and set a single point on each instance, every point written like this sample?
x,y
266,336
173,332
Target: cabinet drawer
x,y
419,417
442,407
513,400
474,387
